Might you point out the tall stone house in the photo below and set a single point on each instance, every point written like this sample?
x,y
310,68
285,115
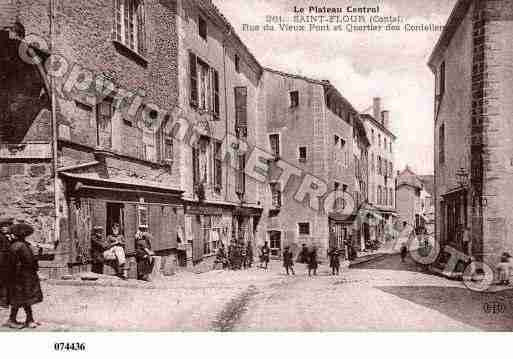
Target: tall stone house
x,y
380,168
472,133
408,196
307,127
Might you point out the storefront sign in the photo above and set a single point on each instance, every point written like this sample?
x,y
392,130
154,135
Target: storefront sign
x,y
203,210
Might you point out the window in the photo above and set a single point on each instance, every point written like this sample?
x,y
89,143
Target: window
x,y
294,98
149,147
379,166
206,227
218,165
276,194
385,143
129,24
385,196
167,148
241,111
442,78
302,154
336,140
104,111
204,86
391,197
373,168
441,144
342,143
390,146
303,228
390,169
237,63
241,176
379,140
202,27
275,243
274,140
195,166
373,139
336,185
142,216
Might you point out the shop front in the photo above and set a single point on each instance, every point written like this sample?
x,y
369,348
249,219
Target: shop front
x,y
101,203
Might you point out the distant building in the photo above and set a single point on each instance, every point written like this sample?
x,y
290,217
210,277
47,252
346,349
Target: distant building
x,y
473,110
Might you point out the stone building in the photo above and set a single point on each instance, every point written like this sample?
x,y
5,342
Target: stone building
x,y
381,168
408,196
91,84
471,63
219,81
307,127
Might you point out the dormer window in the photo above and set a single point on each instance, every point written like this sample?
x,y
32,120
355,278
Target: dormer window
x,y
202,28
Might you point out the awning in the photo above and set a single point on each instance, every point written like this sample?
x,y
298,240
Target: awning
x,y
92,182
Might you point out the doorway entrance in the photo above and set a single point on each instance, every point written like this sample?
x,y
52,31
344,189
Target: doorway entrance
x,y
275,243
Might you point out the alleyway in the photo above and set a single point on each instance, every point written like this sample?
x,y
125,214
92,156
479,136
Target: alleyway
x,y
380,295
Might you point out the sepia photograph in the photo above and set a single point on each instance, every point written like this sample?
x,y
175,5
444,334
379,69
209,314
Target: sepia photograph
x,y
255,166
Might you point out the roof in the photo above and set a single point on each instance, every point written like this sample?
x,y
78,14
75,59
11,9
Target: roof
x,y
213,10
378,124
120,181
296,76
409,178
457,15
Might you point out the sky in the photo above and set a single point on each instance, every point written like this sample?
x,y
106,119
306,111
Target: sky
x,y
390,65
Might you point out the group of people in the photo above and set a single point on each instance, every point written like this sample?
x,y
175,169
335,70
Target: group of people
x,y
19,282
309,257
111,250
238,256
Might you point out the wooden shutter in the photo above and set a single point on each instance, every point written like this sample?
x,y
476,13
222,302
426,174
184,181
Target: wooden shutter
x,y
130,217
241,123
215,93
193,74
241,176
155,227
195,166
197,240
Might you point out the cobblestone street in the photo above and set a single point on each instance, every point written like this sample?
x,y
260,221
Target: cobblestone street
x,y
383,294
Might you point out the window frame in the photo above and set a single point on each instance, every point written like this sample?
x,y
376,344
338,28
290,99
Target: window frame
x,y
294,99
299,232
300,158
275,188
129,25
202,21
217,159
278,154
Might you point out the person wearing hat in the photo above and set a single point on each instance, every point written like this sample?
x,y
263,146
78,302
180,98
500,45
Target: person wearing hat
x,y
312,261
25,288
288,261
334,256
98,246
143,253
116,251
5,243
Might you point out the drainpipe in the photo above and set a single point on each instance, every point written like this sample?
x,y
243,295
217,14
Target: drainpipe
x,y
54,131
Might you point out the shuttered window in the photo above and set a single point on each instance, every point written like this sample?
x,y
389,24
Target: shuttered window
x,y
274,140
215,93
241,123
104,113
241,176
218,165
193,74
195,166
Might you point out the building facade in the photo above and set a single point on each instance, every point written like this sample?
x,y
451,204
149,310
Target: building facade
x,y
308,130
219,81
408,196
381,168
472,128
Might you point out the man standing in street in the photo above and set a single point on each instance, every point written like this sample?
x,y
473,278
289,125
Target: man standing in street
x,y
143,254
288,261
5,243
466,240
265,255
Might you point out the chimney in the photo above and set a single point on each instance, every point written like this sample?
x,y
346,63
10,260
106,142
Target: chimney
x,y
385,115
377,108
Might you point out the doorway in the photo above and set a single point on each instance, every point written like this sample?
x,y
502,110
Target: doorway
x,y
275,243
115,215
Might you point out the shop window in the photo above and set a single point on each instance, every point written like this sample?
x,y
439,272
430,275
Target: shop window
x,y
275,243
303,228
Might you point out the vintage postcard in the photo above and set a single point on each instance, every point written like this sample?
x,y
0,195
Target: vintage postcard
x,y
255,166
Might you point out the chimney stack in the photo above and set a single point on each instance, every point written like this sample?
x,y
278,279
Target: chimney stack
x,y
377,108
385,115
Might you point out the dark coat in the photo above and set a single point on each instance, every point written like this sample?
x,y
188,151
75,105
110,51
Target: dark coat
x,y
334,256
312,260
98,246
25,288
265,253
4,269
144,261
288,260
303,255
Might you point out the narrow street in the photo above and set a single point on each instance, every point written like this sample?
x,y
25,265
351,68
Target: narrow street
x,y
379,295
